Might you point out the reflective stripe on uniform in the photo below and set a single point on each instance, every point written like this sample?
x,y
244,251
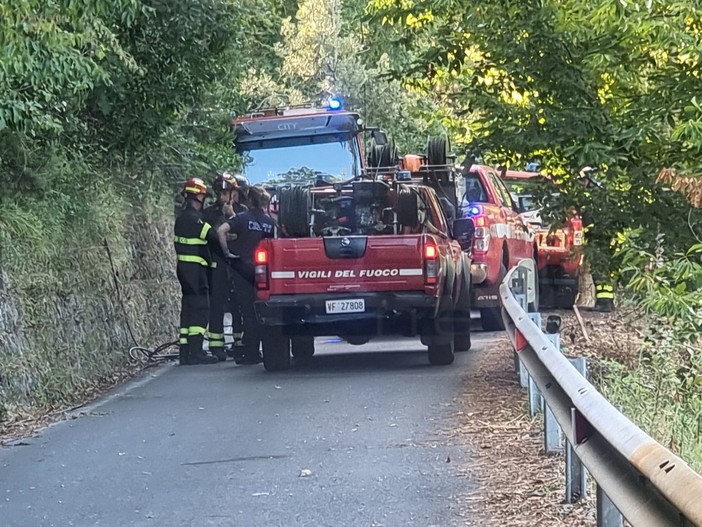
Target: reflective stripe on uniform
x,y
193,259
213,265
604,291
190,241
216,344
183,331
182,340
196,330
205,229
218,336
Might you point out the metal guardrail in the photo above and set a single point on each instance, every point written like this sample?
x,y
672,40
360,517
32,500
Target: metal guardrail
x,y
648,484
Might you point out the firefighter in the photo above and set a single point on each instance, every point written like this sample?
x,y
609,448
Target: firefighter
x,y
193,239
603,277
241,196
218,275
239,199
250,228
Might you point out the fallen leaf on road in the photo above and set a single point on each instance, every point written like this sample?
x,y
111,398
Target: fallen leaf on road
x,y
261,494
305,472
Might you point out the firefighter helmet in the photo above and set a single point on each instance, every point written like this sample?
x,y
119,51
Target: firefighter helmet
x,y
242,182
224,181
195,187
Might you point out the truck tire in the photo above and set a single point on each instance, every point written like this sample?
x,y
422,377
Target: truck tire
x,y
441,354
491,317
294,207
566,300
438,150
302,347
276,352
440,343
461,319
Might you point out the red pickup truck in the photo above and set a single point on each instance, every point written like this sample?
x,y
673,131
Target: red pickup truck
x,y
502,238
560,250
358,253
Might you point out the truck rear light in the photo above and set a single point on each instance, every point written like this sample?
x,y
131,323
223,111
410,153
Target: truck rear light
x,y
261,269
578,233
482,233
431,263
261,257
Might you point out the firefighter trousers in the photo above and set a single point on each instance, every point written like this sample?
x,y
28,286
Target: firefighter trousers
x,y
246,295
194,309
219,291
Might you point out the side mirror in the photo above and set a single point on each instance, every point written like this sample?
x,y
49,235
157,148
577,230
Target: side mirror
x,y
464,233
380,137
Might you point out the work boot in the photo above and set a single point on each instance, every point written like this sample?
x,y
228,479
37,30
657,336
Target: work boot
x,y
250,358
219,353
604,305
201,358
183,356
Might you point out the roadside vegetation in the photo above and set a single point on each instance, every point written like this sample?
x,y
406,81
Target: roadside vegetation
x,y
106,106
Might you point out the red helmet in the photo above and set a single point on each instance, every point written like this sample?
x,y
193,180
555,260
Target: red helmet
x,y
224,181
195,187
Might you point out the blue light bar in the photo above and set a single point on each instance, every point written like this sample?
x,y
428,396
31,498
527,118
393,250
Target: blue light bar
x,y
473,211
335,103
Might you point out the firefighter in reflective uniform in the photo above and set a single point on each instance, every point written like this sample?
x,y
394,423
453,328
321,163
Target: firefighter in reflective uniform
x,y
602,276
219,279
193,239
250,228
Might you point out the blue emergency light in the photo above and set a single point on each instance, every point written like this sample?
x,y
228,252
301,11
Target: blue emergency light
x,y
335,103
473,211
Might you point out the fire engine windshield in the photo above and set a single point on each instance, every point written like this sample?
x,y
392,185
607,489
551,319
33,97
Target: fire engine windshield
x,y
300,160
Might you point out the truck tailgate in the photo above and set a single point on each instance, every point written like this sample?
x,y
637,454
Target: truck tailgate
x,y
345,264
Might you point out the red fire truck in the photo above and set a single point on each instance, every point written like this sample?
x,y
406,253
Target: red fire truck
x,y
503,238
360,251
560,249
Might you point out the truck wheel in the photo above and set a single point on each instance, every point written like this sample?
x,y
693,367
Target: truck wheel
x,y
441,354
461,320
566,300
276,352
302,347
491,319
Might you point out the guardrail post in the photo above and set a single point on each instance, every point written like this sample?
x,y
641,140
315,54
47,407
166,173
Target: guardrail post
x,y
576,474
535,399
553,434
607,514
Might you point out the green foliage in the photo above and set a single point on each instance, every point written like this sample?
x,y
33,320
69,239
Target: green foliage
x,y
662,392
571,83
668,286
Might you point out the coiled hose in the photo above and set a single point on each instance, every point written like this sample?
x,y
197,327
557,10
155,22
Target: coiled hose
x,y
294,207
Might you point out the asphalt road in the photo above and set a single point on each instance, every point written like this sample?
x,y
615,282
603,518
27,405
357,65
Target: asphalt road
x,y
356,438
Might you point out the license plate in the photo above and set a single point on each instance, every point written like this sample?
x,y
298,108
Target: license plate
x,y
578,238
357,305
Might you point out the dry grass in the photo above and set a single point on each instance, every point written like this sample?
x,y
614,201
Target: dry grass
x,y
516,483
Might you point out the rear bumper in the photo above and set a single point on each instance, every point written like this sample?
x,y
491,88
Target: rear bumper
x,y
307,313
